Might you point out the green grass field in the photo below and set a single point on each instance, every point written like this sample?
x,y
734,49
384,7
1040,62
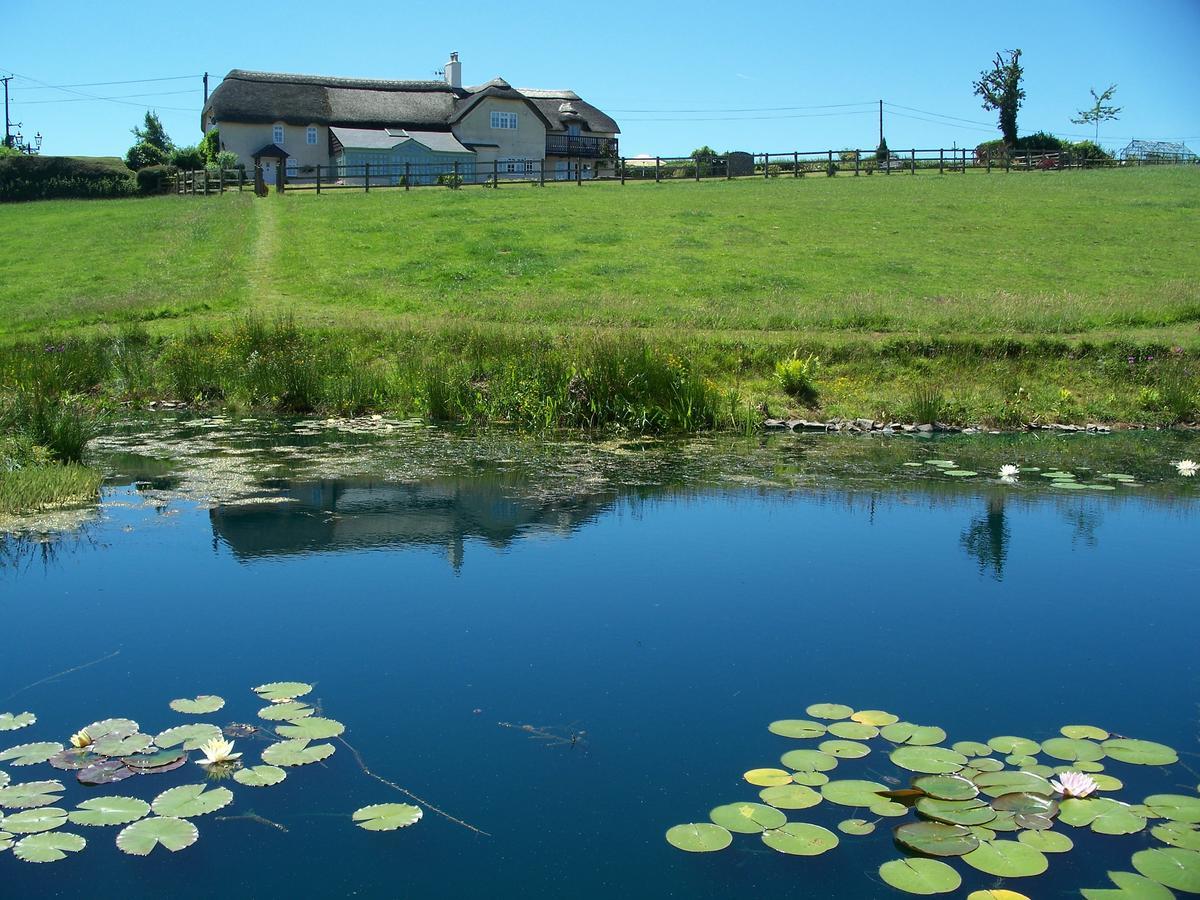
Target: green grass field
x,y
1037,286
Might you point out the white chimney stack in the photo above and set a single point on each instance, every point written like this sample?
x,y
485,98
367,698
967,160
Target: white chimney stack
x,y
454,71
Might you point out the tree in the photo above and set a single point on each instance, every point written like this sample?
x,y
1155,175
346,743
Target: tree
x,y
1001,90
1099,112
144,154
152,132
705,153
210,145
881,152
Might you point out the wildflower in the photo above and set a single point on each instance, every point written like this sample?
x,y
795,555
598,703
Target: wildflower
x,y
217,752
1186,467
81,739
1075,784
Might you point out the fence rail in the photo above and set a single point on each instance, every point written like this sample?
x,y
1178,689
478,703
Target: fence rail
x,y
790,164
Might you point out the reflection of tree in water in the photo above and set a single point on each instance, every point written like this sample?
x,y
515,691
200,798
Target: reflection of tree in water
x,y
986,538
1084,523
21,551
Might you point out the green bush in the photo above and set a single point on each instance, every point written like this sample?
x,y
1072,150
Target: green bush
x,y
797,376
57,177
227,159
154,179
188,158
926,406
1089,151
210,146
145,154
58,424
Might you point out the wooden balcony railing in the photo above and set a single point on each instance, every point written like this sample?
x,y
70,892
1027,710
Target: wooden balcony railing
x,y
580,145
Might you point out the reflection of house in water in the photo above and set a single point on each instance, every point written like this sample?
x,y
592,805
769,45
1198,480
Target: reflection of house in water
x,y
351,514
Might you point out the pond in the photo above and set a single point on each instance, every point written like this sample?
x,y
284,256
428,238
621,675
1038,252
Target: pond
x,y
572,646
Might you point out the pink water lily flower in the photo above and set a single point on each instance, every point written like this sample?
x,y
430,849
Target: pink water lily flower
x,y
1075,784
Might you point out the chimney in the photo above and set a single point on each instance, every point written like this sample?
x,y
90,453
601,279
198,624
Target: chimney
x,y
454,71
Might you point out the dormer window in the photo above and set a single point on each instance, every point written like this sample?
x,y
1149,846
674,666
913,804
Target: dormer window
x,y
277,135
312,134
573,129
504,119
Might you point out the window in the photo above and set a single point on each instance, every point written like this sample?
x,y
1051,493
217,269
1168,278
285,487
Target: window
x,y
312,134
504,119
518,166
291,168
277,135
573,129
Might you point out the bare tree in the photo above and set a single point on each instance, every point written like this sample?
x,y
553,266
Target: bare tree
x,y
1000,88
1099,112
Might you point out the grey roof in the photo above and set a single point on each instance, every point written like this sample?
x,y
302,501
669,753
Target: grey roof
x,y
388,138
246,96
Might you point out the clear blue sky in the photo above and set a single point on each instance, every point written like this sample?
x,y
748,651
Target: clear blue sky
x,y
671,76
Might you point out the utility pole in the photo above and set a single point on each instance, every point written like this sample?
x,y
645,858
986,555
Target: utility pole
x,y
205,88
7,128
880,123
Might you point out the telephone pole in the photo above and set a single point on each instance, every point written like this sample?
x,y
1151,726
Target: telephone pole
x,y
7,124
205,88
880,123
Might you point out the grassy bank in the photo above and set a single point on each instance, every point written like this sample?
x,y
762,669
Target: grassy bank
x,y
47,487
43,438
1056,296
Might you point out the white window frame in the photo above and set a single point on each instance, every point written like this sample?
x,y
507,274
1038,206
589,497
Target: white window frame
x,y
503,120
277,135
311,135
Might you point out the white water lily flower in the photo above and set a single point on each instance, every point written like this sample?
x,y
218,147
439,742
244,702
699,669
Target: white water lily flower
x,y
81,739
216,752
1186,467
1009,472
1075,784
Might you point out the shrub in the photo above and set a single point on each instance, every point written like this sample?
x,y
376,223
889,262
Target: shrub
x,y
154,179
881,152
797,376
926,406
1089,151
145,154
52,177
61,426
210,145
188,158
450,180
227,159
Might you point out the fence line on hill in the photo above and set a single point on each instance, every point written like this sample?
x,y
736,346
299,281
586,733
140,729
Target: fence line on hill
x,y
792,164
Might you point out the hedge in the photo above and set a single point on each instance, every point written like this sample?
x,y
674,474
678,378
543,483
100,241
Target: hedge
x,y
57,177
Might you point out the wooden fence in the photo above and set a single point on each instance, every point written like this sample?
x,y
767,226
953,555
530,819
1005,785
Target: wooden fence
x,y
792,164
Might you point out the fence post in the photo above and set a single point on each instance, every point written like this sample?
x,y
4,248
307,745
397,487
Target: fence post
x,y
855,163
579,172
657,176
241,178
1028,163
766,166
542,174
795,164
454,183
495,173
221,181
366,177
941,161
206,182
622,170
699,162
318,179
913,160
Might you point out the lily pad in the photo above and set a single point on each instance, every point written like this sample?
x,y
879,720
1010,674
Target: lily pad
x,y
935,838
31,821
811,779
283,690
985,764
852,792
908,733
844,749
1170,866
759,777
111,728
995,894
13,721
1084,732
809,761
296,753
1104,814
313,728
920,876
1140,753
109,811
1046,841
190,736
30,754
971,748
1033,821
107,771
876,717
48,847
289,711
855,826
960,473
6,840
122,746
1176,807
190,800
956,812
1008,743
929,760
801,839
201,705
72,759
699,837
854,731
888,808
946,787
1072,749
1026,803
829,711
141,837
31,794
790,796
259,776
1007,859
995,784
1129,887
387,816
1177,834
156,762
747,818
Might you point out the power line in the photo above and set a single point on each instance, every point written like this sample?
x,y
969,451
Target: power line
x,y
46,87
938,115
107,99
747,110
946,124
859,112
120,97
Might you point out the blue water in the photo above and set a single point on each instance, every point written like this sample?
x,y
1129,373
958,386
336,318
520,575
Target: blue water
x,y
668,623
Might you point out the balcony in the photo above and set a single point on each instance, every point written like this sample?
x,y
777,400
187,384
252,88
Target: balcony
x,y
580,145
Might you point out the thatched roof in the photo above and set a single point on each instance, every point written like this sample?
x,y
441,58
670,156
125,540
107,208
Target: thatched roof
x,y
245,96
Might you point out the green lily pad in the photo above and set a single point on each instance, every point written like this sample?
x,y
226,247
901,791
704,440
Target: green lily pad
x,y
289,711
122,746
946,787
810,779
956,812
801,839
829,711
1026,803
31,794
792,728
876,717
31,821
1140,753
6,840
283,690
747,818
789,796
1084,732
1176,807
1046,841
1170,866
855,826
313,728
13,721
30,754
854,731
1129,887
1004,821
941,463
1033,821
1007,859
809,761
920,876
985,764
1103,814
387,816
994,784
960,473
699,837
201,705
296,753
1021,762
4,779
1083,765
1009,744
1178,834
929,760
156,761
190,800
143,836
935,838
1104,781
971,748
908,733
1072,749
192,737
50,846
109,811
844,749
851,792
889,808
259,776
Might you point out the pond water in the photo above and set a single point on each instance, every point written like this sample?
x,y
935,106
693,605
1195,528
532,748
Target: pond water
x,y
647,607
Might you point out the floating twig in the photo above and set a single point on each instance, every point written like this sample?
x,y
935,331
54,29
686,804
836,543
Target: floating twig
x,y
554,736
60,675
252,816
441,812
